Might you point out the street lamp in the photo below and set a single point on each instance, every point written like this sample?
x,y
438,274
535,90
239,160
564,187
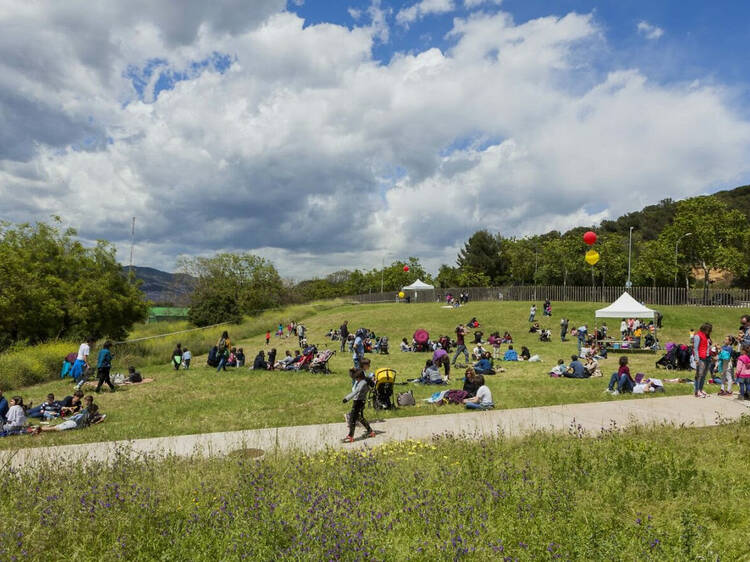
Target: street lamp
x,y
676,245
628,284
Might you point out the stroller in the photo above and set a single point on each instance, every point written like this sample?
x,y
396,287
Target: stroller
x,y
213,357
320,363
308,354
381,396
669,359
421,340
383,345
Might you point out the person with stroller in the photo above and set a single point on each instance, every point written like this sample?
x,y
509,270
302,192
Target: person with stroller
x,y
358,395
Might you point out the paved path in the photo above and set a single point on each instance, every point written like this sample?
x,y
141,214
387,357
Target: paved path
x,y
592,417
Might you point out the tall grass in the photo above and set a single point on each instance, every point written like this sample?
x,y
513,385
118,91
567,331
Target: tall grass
x,y
653,494
25,366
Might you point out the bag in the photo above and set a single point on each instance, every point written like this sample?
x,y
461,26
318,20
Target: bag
x,y
406,399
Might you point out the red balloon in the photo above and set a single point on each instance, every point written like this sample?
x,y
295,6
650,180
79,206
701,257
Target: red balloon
x,y
589,237
406,268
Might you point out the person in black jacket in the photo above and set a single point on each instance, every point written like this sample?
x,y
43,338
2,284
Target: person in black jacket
x,y
260,361
344,329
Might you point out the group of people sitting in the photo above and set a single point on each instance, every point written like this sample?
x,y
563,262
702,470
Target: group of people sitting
x,y
576,369
76,412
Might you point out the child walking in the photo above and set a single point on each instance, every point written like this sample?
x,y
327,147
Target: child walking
x,y
724,367
103,366
742,373
187,356
359,396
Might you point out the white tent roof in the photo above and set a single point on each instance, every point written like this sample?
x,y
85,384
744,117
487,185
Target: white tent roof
x,y
418,285
625,307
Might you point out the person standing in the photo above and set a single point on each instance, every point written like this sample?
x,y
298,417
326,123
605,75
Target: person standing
x,y
702,355
460,344
547,308
104,364
177,357
532,313
80,367
744,335
358,395
268,337
186,357
344,331
358,349
563,328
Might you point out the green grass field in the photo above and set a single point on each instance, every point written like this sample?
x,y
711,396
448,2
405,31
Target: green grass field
x,y
201,400
650,494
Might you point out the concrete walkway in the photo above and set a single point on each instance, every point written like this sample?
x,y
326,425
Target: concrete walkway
x,y
589,418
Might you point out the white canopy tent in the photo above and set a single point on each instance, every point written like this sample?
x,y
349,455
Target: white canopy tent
x,y
418,285
625,307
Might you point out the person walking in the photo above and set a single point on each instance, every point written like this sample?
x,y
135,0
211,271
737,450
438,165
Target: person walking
x,y
532,313
358,395
563,328
702,355
81,366
344,332
268,337
177,357
460,344
103,365
358,349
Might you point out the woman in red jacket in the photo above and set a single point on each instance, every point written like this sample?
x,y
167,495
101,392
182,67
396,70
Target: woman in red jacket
x,y
702,354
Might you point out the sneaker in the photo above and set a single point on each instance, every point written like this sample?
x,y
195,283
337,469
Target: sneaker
x,y
371,434
607,391
721,393
348,439
615,392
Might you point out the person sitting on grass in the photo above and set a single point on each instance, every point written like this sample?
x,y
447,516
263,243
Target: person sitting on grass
x,y
286,361
478,352
358,395
484,365
507,338
534,328
483,398
575,370
525,353
431,374
271,359
15,419
405,347
72,407
625,382
3,407
471,383
559,369
134,376
232,359
592,367
511,354
84,418
260,361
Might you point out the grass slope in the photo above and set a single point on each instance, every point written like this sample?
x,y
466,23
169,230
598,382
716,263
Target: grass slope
x,y
653,494
201,400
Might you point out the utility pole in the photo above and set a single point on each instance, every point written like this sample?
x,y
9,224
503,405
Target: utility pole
x,y
628,283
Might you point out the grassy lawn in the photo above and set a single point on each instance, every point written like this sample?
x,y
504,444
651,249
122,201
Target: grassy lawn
x,y
650,494
201,400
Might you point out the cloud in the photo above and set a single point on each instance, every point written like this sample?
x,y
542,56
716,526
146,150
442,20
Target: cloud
x,y
292,141
471,4
649,31
424,8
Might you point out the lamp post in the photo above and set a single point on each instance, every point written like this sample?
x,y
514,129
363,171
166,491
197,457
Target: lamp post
x,y
628,283
676,245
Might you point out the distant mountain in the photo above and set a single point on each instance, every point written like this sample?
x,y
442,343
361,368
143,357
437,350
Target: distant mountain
x,y
162,287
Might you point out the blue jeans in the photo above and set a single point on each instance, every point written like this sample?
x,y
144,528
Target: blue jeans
x,y
623,383
222,364
701,370
477,406
461,348
744,385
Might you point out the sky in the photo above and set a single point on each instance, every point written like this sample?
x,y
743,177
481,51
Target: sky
x,y
341,135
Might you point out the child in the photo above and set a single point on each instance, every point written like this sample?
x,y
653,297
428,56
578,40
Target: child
x,y
359,396
483,398
559,369
430,374
186,357
134,376
724,366
268,336
177,357
240,357
104,364
742,373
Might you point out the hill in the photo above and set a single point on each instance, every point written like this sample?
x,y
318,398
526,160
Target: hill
x,y
163,287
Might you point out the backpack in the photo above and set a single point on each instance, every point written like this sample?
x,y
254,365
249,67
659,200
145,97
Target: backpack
x,y
406,399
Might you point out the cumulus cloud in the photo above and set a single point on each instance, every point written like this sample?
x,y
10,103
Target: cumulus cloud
x,y
292,141
471,4
424,8
649,31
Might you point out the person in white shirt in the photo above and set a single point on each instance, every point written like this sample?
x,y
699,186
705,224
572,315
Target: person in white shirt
x,y
15,419
186,357
78,371
483,398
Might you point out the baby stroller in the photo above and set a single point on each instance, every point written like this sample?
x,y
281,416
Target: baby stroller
x,y
308,354
213,357
421,339
381,396
320,363
383,345
669,359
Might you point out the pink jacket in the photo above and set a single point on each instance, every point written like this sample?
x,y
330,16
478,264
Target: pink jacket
x,y
743,367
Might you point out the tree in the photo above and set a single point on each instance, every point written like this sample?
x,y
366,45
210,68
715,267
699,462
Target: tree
x,y
230,286
655,264
54,287
716,236
483,253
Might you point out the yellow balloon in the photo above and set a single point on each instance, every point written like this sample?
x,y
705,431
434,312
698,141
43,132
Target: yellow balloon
x,y
592,257
401,294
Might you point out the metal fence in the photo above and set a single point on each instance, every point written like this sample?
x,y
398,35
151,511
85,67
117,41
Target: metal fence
x,y
648,295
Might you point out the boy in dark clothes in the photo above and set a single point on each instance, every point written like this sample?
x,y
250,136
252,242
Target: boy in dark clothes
x,y
103,365
359,397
